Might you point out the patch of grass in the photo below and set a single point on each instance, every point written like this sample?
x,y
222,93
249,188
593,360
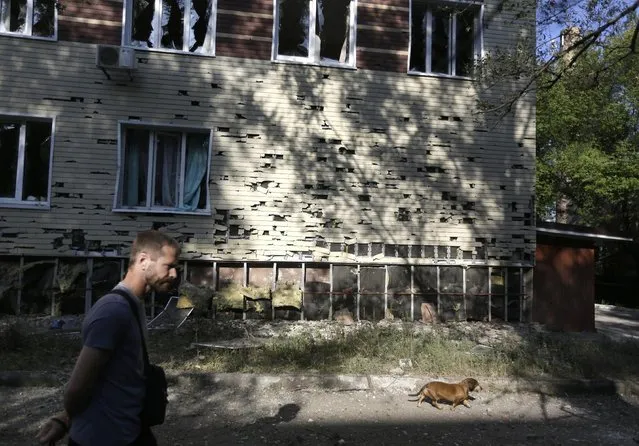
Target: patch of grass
x,y
40,352
439,353
447,350
566,356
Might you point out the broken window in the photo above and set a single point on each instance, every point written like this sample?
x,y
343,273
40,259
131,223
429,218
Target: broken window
x,y
164,170
25,155
28,17
179,25
445,38
317,31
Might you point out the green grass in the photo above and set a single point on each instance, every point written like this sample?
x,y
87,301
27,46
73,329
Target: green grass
x,y
444,350
440,353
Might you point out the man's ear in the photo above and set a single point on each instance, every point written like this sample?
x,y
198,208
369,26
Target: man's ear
x,y
143,259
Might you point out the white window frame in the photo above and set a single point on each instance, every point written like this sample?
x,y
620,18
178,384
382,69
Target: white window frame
x,y
127,28
28,25
18,202
313,57
478,45
155,128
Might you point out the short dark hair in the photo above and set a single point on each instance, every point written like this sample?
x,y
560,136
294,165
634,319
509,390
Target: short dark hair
x,y
152,241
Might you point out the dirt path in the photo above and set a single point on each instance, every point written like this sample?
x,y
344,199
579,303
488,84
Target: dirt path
x,y
617,322
225,417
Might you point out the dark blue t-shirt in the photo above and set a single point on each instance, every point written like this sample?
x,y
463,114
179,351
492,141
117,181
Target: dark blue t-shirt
x,y
113,416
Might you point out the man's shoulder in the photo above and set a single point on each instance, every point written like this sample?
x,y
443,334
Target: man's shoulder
x,y
110,304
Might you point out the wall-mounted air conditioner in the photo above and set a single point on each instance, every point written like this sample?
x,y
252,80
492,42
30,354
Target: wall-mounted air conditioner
x,y
115,57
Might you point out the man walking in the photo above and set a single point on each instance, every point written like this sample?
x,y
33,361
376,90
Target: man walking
x,y
105,393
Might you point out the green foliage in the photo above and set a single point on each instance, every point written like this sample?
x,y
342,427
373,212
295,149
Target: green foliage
x,y
587,138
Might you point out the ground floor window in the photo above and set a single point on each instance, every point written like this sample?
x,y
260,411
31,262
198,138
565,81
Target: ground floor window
x,y
25,161
163,169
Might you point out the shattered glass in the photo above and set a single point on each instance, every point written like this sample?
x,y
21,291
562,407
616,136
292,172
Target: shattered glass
x,y
17,16
440,41
172,24
43,24
293,29
333,29
166,28
418,38
199,19
465,42
142,30
33,161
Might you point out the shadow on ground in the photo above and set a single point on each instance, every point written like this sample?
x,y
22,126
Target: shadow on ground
x,y
224,416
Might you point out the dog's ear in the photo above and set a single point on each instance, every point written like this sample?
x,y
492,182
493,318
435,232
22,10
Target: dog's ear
x,y
472,383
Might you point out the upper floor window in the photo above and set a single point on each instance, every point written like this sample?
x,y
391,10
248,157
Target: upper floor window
x,y
174,25
163,169
446,38
25,161
37,18
315,31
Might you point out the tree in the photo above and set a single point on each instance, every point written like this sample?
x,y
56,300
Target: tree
x,y
588,134
537,65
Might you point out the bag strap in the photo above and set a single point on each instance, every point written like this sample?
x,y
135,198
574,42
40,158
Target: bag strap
x,y
136,314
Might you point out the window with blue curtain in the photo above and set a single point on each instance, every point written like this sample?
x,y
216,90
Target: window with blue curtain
x,y
164,170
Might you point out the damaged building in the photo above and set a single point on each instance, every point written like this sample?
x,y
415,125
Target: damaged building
x,y
313,157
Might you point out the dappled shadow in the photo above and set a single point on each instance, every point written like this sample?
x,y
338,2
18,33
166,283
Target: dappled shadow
x,y
523,351
220,416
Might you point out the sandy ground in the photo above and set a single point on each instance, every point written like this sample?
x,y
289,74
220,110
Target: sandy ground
x,y
225,416
617,322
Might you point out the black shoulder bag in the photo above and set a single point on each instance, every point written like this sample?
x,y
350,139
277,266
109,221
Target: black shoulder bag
x,y
154,406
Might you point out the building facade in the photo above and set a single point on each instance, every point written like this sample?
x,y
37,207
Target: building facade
x,y
331,145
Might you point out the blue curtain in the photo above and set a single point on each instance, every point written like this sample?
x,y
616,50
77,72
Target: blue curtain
x,y
137,144
167,161
197,154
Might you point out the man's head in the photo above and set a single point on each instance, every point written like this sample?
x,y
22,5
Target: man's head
x,y
154,257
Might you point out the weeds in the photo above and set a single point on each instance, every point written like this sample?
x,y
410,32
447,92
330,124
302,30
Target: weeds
x,y
447,350
438,353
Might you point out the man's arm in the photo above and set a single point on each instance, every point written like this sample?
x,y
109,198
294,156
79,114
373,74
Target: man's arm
x,y
79,390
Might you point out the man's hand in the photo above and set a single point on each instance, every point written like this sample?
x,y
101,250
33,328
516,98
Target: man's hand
x,y
54,429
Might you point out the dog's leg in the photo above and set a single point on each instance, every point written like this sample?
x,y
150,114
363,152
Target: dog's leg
x,y
420,400
465,403
433,399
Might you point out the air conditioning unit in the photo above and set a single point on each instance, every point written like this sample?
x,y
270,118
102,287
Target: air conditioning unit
x,y
115,57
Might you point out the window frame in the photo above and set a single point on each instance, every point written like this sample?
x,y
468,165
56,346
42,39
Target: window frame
x,y
127,29
19,203
314,57
155,128
478,44
28,34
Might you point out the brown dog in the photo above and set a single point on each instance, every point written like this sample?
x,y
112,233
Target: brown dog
x,y
456,394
